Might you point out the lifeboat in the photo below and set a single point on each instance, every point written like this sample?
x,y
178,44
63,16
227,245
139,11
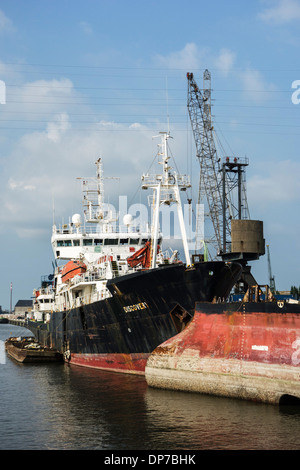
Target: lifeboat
x,y
141,257
71,269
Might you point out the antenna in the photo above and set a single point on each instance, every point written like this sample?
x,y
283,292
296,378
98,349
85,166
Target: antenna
x,y
167,100
53,210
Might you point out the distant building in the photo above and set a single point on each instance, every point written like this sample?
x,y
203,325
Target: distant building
x,y
23,308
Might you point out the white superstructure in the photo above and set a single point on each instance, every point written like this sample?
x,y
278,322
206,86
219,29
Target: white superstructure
x,y
102,249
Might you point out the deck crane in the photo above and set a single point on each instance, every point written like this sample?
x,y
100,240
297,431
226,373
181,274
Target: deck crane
x,y
218,178
216,183
209,183
271,277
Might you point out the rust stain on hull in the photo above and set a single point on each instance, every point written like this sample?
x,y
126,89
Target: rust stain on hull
x,y
250,354
126,363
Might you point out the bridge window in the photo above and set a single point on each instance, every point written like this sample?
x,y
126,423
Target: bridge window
x,y
111,241
64,242
134,241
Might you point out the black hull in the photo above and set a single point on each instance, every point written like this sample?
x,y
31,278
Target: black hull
x,y
145,309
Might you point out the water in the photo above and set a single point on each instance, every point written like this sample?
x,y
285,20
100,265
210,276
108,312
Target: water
x,y
56,406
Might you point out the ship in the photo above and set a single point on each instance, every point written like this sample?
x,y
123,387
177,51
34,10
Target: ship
x,y
247,350
115,294
25,350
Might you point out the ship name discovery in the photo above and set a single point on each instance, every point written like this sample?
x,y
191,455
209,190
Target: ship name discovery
x,y
133,308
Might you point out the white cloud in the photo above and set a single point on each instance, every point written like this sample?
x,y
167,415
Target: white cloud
x,y
20,185
190,57
46,94
6,25
225,60
43,166
254,85
40,88
277,183
39,100
58,126
281,11
30,233
8,72
86,27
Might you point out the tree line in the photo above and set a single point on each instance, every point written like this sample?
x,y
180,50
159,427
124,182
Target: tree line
x,y
295,291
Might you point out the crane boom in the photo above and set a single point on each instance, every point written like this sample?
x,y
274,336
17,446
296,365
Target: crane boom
x,y
217,179
235,237
210,181
271,277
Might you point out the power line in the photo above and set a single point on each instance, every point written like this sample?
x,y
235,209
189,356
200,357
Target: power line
x,y
216,90
110,128
180,121
119,67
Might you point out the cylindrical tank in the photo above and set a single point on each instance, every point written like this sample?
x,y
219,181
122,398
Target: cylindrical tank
x,y
247,236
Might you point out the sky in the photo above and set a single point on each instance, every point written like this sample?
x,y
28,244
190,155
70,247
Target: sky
x,y
100,78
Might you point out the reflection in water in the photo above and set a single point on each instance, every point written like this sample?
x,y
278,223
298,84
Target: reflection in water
x,y
206,422
121,412
106,409
56,406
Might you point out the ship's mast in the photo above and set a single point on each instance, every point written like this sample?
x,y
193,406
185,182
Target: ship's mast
x,y
93,198
166,187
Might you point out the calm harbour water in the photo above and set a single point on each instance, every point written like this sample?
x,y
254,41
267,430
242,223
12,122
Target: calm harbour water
x,y
60,407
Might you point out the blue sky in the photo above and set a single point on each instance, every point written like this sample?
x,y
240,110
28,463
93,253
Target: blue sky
x,y
98,78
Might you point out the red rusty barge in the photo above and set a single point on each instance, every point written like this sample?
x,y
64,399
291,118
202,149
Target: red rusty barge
x,y
248,350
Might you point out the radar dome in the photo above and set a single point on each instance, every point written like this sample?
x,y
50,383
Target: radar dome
x,y
76,219
127,219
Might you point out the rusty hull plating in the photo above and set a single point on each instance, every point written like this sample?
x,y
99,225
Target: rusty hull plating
x,y
247,350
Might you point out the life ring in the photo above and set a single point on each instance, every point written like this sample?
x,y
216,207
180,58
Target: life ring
x,y
67,355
